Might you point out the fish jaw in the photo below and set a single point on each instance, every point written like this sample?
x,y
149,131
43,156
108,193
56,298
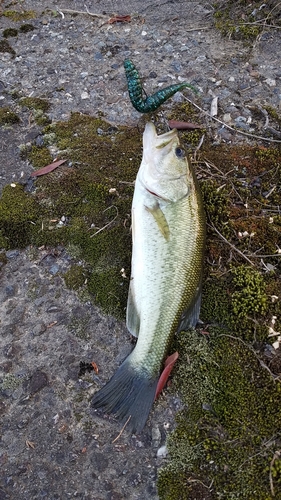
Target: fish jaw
x,y
164,169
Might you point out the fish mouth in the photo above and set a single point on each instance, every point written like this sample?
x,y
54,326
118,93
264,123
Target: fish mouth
x,y
155,149
151,139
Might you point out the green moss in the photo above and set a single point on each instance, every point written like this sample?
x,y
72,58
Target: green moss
x,y
75,277
234,19
6,47
249,296
239,302
14,15
216,204
3,257
10,382
35,103
8,117
18,217
26,28
94,195
225,439
39,156
10,32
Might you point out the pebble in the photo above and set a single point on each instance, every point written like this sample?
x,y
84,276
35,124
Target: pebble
x,y
227,118
12,254
155,436
271,82
162,452
37,382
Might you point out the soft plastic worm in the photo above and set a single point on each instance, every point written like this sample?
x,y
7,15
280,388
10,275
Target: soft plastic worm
x,y
151,103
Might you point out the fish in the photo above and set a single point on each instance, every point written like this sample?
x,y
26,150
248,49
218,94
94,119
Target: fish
x,y
151,103
168,240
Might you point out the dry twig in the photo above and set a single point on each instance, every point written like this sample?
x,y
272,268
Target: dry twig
x,y
122,430
253,136
87,12
231,245
276,455
108,224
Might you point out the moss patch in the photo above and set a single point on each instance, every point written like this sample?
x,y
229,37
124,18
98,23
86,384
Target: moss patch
x,y
226,438
242,20
8,117
6,47
18,216
26,28
93,195
35,103
10,32
75,277
15,15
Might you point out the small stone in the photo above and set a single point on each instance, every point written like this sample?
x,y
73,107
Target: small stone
x,y
162,452
271,82
10,290
227,118
38,329
156,436
54,269
12,254
53,309
98,56
85,95
201,58
38,381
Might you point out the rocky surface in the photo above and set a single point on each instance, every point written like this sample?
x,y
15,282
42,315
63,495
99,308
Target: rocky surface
x,y
53,445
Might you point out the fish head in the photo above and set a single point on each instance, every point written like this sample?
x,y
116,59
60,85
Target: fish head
x,y
165,169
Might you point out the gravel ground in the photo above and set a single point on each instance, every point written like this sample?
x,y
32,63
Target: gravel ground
x,y
53,445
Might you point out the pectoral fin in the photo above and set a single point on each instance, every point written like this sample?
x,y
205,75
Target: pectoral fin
x,y
161,220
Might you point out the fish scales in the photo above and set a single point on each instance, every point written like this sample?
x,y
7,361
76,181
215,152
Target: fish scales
x,y
170,271
168,232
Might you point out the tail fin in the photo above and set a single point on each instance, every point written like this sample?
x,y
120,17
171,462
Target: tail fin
x,y
129,393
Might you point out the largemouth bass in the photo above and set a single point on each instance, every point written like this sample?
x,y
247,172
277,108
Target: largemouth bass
x,y
168,231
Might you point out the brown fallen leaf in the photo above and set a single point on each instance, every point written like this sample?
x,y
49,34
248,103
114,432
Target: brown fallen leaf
x,y
184,125
169,363
48,168
117,19
95,366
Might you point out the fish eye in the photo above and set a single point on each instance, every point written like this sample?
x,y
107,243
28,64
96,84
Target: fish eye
x,y
180,153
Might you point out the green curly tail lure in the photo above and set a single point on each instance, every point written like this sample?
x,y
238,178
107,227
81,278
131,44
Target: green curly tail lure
x,y
151,103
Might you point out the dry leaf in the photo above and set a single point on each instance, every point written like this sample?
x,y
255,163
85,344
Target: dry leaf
x,y
48,168
95,366
117,19
184,125
169,363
